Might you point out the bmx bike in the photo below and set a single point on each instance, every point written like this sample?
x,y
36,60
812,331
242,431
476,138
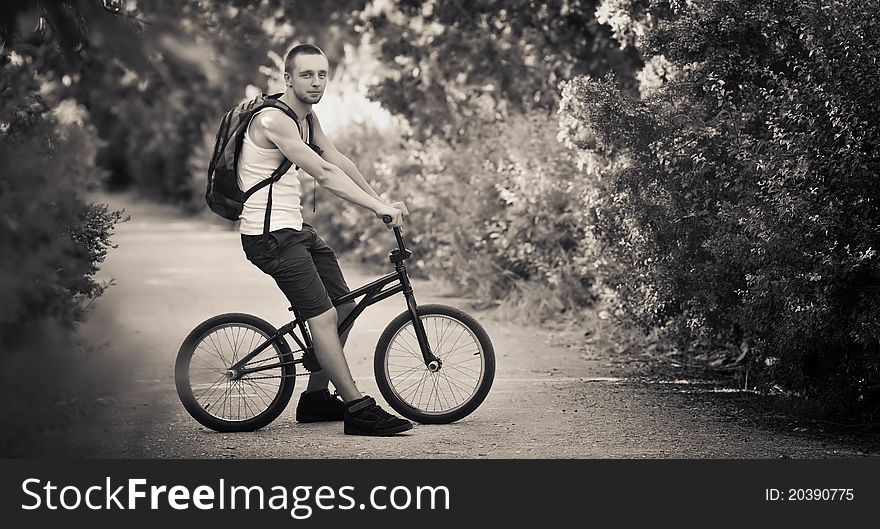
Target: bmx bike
x,y
434,364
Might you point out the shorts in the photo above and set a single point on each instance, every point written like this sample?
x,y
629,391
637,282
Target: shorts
x,y
303,266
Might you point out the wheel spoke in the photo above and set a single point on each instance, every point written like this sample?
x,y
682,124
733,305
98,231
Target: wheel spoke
x,y
213,388
406,342
248,408
229,341
438,390
457,383
410,353
443,334
451,389
416,383
251,343
216,354
463,330
257,389
205,366
416,369
461,364
216,347
465,373
462,347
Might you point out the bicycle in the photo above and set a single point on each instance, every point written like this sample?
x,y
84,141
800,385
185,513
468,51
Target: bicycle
x,y
434,364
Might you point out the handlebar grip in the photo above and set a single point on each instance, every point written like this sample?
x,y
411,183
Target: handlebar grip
x,y
387,219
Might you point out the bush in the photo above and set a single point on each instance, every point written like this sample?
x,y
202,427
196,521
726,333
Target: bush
x,y
500,216
53,240
739,197
52,243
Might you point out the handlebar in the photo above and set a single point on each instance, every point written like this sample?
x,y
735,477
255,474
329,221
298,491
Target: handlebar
x,y
397,234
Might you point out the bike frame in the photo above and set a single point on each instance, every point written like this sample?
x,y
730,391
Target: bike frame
x,y
372,293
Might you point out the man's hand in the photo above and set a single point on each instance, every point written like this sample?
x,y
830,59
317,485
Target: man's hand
x,y
395,214
401,206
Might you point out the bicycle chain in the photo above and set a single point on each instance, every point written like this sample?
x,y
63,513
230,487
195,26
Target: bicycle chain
x,y
278,376
275,376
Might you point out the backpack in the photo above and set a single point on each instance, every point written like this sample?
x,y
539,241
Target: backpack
x,y
223,195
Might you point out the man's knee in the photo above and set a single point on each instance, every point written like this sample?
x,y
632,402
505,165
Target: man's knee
x,y
327,318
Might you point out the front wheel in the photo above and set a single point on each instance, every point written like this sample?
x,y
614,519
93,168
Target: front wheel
x,y
455,390
227,404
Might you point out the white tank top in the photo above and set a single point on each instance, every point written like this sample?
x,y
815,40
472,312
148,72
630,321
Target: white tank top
x,y
257,163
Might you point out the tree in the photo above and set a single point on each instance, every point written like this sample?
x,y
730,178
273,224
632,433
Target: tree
x,y
452,64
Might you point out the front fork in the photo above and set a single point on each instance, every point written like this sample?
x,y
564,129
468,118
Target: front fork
x,y
432,362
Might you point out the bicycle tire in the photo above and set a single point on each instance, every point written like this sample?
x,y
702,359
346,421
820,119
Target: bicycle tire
x,y
397,344
209,339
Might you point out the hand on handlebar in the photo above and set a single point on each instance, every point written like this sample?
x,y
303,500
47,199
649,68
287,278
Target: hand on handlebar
x,y
401,206
390,215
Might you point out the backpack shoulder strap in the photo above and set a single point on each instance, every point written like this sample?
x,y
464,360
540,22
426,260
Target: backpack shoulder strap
x,y
274,102
276,175
311,144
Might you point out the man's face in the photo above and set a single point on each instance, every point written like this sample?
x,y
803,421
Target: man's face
x,y
309,77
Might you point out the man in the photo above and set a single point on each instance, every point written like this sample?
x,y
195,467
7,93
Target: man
x,y
303,266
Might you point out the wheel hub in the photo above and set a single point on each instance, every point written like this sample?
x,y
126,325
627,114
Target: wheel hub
x,y
434,366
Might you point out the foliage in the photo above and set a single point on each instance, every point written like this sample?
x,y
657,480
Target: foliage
x,y
496,202
501,221
451,65
185,62
739,197
157,76
53,240
52,245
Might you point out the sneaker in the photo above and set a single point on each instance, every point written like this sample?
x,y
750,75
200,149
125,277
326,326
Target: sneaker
x,y
319,406
365,417
310,361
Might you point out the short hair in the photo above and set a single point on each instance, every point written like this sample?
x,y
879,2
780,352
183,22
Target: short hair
x,y
300,49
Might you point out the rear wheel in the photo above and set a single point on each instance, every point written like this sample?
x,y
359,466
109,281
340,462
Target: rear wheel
x,y
233,405
455,390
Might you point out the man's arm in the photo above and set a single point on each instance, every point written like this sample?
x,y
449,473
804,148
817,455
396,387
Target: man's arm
x,y
332,155
348,167
282,131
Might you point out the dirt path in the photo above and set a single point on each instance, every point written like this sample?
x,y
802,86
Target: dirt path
x,y
552,398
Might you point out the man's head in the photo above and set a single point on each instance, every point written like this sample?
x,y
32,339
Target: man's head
x,y
305,72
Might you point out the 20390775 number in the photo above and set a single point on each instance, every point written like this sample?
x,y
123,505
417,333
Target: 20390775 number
x,y
821,494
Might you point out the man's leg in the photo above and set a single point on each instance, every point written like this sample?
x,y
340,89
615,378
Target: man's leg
x,y
361,415
328,349
333,280
319,380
